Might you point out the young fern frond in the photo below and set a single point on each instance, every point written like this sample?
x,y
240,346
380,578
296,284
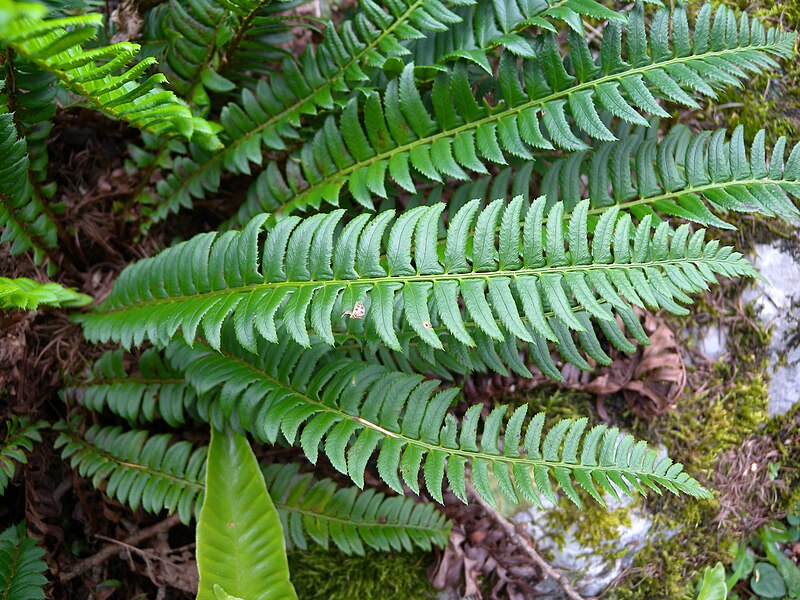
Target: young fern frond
x,y
21,566
386,136
56,47
307,272
157,391
26,222
20,437
138,469
692,177
28,294
268,116
348,409
349,517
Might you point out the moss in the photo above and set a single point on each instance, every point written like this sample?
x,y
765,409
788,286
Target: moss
x,y
731,406
333,575
770,101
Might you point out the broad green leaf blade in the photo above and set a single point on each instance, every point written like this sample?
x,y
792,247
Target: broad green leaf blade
x,y
240,545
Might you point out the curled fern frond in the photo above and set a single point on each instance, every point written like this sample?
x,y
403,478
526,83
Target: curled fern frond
x,y
156,391
56,47
380,136
21,566
28,294
137,469
349,409
349,517
692,177
499,266
268,116
26,222
20,437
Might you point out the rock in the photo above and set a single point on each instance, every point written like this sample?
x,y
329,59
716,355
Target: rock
x,y
562,535
713,342
777,301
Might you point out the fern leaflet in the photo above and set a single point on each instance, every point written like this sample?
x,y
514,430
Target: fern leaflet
x,y
21,435
21,566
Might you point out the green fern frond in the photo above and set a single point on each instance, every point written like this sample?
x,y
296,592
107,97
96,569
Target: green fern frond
x,y
348,409
198,36
307,272
492,23
30,96
386,136
156,392
21,566
350,517
270,115
28,294
24,218
692,177
138,469
21,434
56,46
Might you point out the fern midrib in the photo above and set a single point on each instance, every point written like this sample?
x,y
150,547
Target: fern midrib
x,y
468,454
99,381
202,168
643,200
432,278
12,571
297,201
207,58
145,469
355,522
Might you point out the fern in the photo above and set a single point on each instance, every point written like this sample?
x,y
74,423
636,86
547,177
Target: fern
x,y
157,391
21,566
21,435
308,272
29,294
55,46
492,23
27,223
30,95
349,517
692,177
202,38
270,115
137,471
386,136
151,472
349,408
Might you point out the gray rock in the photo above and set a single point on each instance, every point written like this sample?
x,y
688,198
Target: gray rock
x,y
713,342
778,303
592,569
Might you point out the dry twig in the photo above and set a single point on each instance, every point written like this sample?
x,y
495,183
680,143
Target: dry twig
x,y
114,549
526,546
